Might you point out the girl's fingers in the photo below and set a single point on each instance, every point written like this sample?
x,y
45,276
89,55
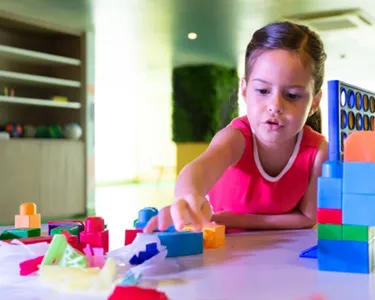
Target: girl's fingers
x,y
151,225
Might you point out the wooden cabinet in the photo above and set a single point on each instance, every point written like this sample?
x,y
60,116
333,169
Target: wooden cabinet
x,y
37,62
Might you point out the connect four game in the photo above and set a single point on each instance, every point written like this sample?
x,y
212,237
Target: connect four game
x,y
350,108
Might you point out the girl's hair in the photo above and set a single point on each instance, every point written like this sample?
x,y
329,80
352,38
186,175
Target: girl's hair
x,y
293,37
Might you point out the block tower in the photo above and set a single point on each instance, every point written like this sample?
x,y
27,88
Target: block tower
x,y
346,208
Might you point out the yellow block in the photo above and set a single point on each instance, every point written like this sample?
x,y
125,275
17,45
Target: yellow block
x,y
213,235
187,152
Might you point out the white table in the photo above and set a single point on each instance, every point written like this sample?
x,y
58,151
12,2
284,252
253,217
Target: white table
x,y
255,266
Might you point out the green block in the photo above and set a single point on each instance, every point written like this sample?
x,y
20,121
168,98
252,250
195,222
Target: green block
x,y
72,230
358,233
18,233
329,232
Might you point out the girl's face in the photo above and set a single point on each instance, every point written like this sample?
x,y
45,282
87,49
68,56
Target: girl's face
x,y
279,95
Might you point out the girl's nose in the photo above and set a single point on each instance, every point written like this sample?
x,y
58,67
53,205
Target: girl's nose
x,y
276,105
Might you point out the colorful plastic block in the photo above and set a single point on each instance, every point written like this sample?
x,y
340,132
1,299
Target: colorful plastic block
x,y
19,233
135,292
213,235
359,209
95,233
329,232
358,233
360,146
329,216
332,169
66,223
358,178
74,230
28,218
330,192
144,215
181,243
345,256
131,234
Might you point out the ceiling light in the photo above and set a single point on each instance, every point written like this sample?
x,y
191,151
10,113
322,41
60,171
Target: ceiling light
x,y
192,35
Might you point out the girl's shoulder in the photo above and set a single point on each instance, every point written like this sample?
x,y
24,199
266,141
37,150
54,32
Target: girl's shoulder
x,y
242,123
311,138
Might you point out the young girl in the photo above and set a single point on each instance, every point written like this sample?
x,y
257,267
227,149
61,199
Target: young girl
x,y
261,171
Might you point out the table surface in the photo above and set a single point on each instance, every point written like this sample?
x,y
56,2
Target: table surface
x,y
254,265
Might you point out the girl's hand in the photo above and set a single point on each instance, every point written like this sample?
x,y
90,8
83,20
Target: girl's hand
x,y
191,209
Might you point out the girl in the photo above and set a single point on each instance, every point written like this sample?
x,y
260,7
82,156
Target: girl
x,y
260,172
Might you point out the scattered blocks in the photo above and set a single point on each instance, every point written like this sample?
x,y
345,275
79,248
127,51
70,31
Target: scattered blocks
x,y
95,233
72,230
213,235
181,243
28,218
66,223
18,233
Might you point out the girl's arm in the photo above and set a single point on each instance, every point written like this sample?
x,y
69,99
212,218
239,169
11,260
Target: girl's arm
x,y
199,176
303,217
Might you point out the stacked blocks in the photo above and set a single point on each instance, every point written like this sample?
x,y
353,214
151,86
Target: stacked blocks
x,y
28,218
95,233
346,218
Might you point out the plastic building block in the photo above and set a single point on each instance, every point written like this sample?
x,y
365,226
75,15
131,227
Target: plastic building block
x,y
131,234
72,230
358,233
181,243
358,209
66,223
311,252
19,233
332,169
329,232
345,256
329,216
30,266
28,218
144,215
135,292
357,178
95,233
213,235
330,193
360,146
151,250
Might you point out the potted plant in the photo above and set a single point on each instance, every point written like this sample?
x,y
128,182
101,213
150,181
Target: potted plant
x,y
205,99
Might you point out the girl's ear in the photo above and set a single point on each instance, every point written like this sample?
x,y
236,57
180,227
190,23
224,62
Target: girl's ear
x,y
315,103
243,88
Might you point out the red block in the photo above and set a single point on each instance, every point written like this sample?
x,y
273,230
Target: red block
x,y
135,292
95,235
30,266
329,216
131,234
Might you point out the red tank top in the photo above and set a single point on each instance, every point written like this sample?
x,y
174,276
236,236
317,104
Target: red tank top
x,y
247,188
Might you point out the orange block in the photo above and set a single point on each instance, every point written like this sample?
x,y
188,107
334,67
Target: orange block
x,y
359,146
213,235
28,218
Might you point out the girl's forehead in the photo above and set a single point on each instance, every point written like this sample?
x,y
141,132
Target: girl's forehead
x,y
277,66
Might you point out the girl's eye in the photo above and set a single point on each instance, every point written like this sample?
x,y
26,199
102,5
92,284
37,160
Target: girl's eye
x,y
262,91
293,96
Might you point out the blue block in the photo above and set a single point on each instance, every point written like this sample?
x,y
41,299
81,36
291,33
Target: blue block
x,y
181,243
345,256
144,215
329,193
358,178
358,209
332,169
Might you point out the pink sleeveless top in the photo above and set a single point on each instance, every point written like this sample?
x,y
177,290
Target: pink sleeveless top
x,y
247,188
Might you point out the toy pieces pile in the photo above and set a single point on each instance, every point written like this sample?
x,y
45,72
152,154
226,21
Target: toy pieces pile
x,y
186,242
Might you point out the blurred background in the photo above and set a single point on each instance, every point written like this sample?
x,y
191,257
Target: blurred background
x,y
133,47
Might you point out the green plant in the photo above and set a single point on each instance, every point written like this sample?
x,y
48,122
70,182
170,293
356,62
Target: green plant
x,y
204,101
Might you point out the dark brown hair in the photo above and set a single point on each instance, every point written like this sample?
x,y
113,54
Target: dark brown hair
x,y
293,37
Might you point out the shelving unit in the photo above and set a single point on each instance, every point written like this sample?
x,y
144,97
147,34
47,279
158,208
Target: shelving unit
x,y
38,62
